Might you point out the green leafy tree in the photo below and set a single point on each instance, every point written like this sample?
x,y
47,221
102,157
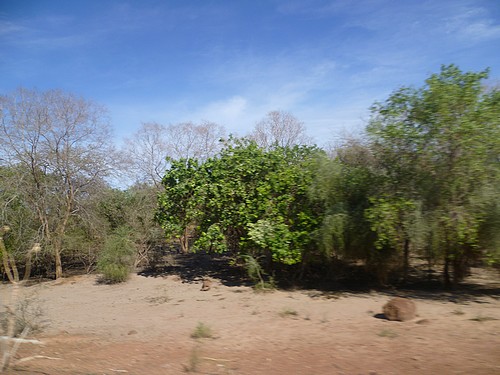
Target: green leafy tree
x,y
179,205
439,145
248,199
342,188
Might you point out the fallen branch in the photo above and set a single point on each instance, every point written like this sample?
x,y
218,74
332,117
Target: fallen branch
x,y
20,340
17,343
218,360
26,359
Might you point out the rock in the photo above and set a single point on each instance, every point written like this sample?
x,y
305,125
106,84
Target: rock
x,y
401,309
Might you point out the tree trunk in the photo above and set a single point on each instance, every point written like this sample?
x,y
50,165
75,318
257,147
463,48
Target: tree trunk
x,y
184,241
406,264
57,257
459,268
446,271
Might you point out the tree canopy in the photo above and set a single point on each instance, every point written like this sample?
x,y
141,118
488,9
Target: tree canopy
x,y
423,181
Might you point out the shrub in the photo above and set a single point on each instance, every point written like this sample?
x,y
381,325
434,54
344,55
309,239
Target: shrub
x,y
256,274
202,331
117,258
26,314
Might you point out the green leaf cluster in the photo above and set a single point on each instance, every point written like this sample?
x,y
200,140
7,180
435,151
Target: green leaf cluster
x,y
437,146
423,181
117,257
246,199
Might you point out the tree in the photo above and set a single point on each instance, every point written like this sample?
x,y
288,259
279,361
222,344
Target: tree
x,y
188,140
179,203
246,199
440,145
156,148
145,153
342,188
15,214
280,129
60,145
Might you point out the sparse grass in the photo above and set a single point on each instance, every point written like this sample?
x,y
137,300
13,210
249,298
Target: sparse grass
x,y
158,300
387,333
288,312
265,286
202,331
481,318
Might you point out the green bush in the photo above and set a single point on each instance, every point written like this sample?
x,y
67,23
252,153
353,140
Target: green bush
x,y
117,257
202,331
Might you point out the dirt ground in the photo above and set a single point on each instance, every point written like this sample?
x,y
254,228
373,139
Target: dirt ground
x,y
145,326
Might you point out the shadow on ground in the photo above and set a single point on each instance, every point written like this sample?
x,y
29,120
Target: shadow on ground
x,y
353,280
194,267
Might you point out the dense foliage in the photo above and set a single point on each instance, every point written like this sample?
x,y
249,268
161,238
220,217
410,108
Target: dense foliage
x,y
438,150
247,200
423,181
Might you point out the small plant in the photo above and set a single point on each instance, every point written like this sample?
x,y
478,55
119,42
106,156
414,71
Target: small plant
x,y
288,312
388,333
256,274
194,360
202,331
117,258
27,315
457,312
160,299
19,317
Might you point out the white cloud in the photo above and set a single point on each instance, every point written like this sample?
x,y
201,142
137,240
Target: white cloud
x,y
225,111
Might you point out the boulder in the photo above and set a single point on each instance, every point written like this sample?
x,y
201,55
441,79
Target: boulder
x,y
401,309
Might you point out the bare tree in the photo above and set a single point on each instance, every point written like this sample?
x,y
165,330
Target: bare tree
x,y
147,150
61,145
280,129
191,141
145,153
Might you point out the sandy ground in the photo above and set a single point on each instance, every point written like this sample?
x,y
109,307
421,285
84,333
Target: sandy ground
x,y
144,326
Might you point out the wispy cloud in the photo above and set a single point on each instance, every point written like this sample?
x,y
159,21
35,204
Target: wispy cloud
x,y
226,112
10,28
473,24
37,34
326,61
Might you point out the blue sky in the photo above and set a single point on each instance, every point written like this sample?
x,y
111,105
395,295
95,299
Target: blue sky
x,y
231,61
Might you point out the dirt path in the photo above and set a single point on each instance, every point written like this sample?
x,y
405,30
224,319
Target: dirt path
x,y
145,325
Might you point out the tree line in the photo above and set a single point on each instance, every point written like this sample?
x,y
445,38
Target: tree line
x,y
422,181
